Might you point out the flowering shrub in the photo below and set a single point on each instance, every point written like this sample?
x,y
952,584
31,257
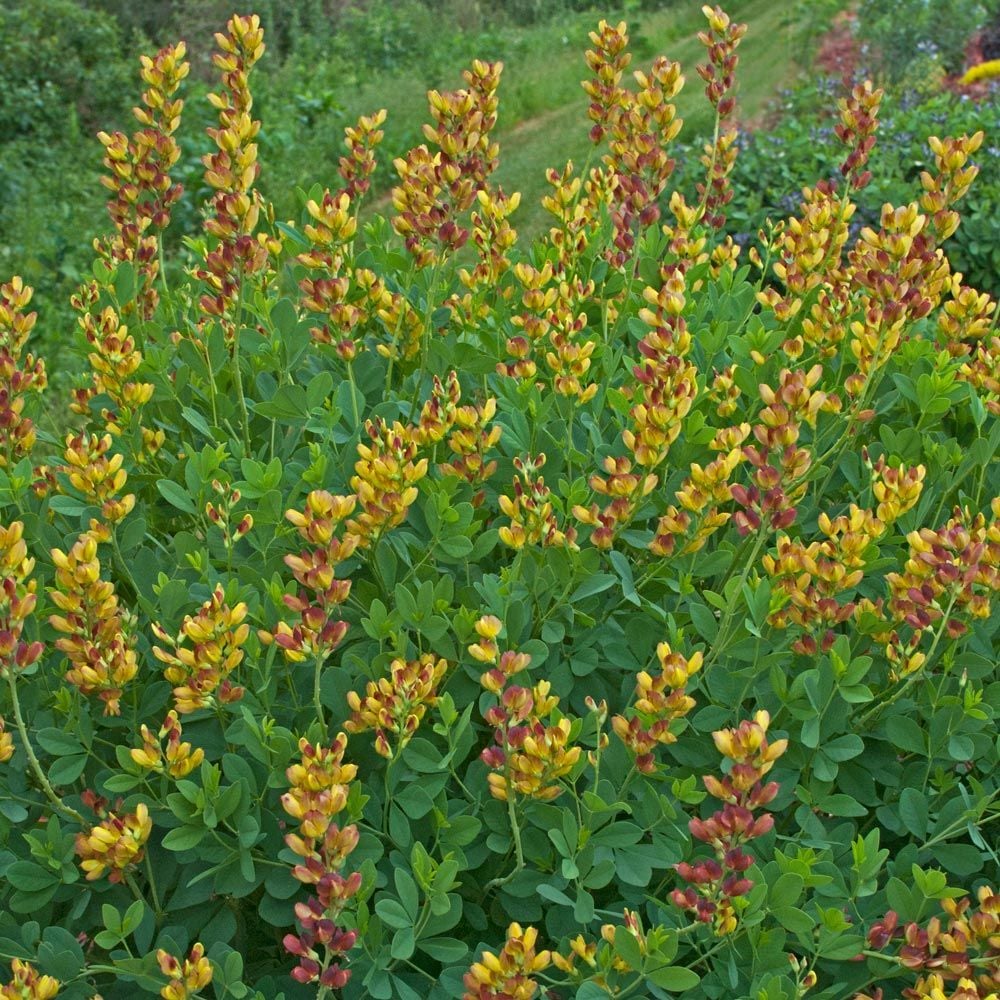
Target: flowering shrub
x,y
548,531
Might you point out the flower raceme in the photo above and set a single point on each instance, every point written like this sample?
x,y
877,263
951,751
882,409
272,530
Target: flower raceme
x,y
714,884
142,192
207,650
28,984
114,845
532,518
98,637
178,759
509,975
960,948
19,373
317,794
17,601
185,978
660,702
319,630
394,706
532,742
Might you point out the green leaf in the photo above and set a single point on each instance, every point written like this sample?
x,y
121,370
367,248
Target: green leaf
x,y
29,877
597,584
786,890
793,919
674,978
392,913
913,811
844,747
840,804
67,769
906,734
446,950
176,496
184,838
704,620
58,743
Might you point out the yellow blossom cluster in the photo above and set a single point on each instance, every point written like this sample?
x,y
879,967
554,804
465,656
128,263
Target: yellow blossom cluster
x,y
114,360
319,630
142,193
950,574
509,975
532,517
17,600
467,429
99,476
97,636
207,650
317,794
659,702
178,759
528,756
667,385
385,479
493,237
114,845
435,189
639,126
19,373
346,295
185,978
28,984
699,497
966,316
719,73
231,172
394,706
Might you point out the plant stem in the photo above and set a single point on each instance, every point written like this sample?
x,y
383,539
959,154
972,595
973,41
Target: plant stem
x,y
354,393
515,829
917,674
29,750
718,647
237,371
318,691
152,889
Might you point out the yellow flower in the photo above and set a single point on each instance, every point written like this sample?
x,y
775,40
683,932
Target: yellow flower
x,y
6,743
27,984
984,71
185,979
97,634
396,705
116,843
179,760
509,973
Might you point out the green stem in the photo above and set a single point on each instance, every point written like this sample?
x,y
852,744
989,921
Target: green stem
x,y
917,674
211,384
354,393
167,297
317,690
238,372
152,889
29,750
721,640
